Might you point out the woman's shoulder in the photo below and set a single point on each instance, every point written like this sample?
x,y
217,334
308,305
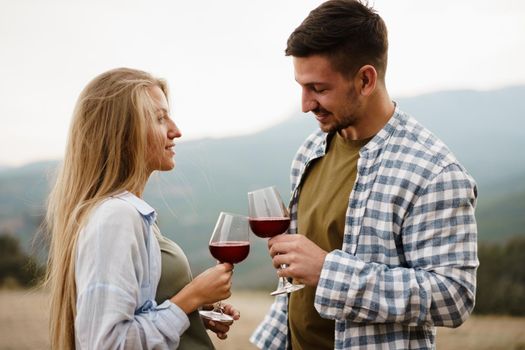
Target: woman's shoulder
x,y
115,206
116,216
114,209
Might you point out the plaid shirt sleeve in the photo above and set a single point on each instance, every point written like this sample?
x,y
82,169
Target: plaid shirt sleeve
x,y
437,284
272,333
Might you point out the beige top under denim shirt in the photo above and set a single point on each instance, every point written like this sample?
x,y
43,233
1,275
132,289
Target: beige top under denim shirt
x,y
176,273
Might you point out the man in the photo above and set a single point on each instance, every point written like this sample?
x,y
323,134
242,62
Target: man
x,y
384,213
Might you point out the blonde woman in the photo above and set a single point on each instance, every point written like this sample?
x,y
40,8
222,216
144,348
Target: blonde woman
x,y
107,256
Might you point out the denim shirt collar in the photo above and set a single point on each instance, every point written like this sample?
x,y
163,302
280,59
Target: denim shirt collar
x,y
142,207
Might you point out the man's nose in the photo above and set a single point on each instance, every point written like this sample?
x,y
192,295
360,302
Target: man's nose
x,y
308,103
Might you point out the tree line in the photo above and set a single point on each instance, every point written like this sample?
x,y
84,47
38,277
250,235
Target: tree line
x,y
17,269
500,278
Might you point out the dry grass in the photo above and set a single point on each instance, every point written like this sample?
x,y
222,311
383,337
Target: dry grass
x,y
23,325
23,320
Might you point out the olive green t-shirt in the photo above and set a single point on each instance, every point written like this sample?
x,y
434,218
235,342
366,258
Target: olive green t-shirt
x,y
175,274
323,202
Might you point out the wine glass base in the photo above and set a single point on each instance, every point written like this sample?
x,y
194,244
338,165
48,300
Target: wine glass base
x,y
289,288
217,316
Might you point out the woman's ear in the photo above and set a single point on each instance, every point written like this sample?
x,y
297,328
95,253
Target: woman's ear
x,y
366,80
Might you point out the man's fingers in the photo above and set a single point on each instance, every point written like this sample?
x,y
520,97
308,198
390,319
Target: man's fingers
x,y
282,248
286,271
279,239
279,260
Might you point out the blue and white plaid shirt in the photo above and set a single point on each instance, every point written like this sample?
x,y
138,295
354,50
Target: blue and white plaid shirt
x,y
409,256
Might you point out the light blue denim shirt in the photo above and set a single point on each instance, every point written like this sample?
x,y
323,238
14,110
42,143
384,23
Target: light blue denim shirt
x,y
118,267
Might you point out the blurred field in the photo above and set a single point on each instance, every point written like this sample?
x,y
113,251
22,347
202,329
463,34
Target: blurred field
x,y
23,325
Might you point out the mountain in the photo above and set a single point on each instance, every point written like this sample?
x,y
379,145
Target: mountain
x,y
483,128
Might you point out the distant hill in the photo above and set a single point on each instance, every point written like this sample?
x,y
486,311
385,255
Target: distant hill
x,y
485,129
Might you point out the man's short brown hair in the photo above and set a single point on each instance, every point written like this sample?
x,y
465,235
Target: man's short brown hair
x,y
349,33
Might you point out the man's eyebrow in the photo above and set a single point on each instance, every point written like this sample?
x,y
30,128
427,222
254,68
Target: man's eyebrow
x,y
310,83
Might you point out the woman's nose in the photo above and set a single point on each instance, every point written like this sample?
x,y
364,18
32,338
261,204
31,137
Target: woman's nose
x,y
174,131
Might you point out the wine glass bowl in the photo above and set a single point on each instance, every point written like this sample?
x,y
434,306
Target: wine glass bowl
x,y
229,243
230,252
269,217
269,227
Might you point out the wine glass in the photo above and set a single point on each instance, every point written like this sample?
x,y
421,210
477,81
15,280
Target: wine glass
x,y
269,217
229,243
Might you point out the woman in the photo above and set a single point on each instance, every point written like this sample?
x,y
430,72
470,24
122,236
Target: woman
x,y
105,259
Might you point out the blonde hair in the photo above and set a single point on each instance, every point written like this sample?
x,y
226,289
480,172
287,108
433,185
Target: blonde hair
x,y
105,155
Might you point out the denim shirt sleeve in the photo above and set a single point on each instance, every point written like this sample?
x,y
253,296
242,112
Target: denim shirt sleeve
x,y
113,280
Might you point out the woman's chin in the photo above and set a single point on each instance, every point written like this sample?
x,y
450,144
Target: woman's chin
x,y
170,166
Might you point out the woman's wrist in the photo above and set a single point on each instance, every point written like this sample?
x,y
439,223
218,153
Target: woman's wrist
x,y
186,300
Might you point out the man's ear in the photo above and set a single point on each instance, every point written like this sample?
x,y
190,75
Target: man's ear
x,y
366,80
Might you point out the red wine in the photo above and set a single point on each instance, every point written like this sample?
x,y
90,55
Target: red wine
x,y
269,227
231,252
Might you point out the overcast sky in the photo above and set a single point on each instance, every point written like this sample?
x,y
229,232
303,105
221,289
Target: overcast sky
x,y
224,60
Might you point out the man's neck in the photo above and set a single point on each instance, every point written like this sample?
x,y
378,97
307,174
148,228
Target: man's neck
x,y
376,111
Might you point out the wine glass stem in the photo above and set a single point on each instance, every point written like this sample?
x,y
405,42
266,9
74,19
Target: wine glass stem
x,y
218,307
284,279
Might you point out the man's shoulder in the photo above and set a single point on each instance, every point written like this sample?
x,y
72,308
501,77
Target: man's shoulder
x,y
415,142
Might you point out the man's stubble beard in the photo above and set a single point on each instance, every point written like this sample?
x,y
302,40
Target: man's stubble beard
x,y
348,119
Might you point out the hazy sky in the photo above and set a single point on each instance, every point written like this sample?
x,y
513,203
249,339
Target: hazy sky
x,y
224,60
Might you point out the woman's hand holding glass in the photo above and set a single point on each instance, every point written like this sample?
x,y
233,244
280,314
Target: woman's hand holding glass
x,y
221,328
207,288
229,243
